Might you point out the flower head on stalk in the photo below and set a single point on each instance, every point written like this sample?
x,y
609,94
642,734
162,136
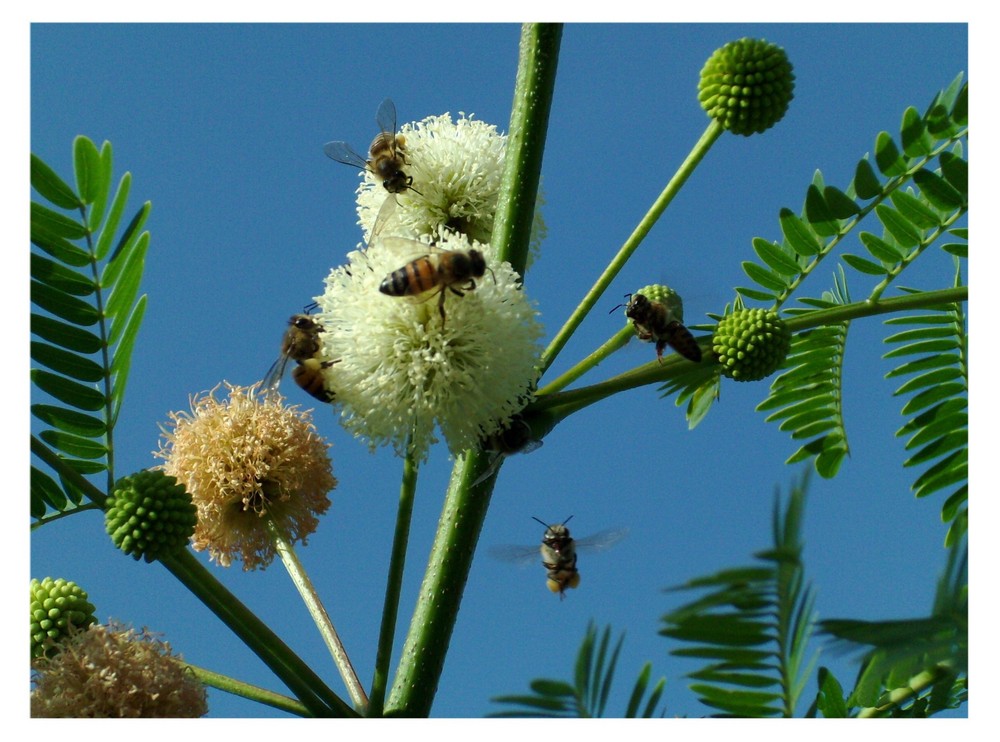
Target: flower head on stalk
x,y
410,363
245,458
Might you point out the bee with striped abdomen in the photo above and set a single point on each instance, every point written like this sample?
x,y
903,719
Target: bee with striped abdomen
x,y
654,322
301,344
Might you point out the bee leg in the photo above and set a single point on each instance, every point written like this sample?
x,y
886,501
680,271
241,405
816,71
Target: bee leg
x,y
442,294
660,345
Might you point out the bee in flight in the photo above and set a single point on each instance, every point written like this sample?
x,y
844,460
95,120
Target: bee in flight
x,y
653,321
515,438
301,344
558,551
437,270
386,155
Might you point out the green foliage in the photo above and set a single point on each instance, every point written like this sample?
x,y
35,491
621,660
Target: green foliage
x,y
86,319
934,350
753,623
587,696
808,397
913,667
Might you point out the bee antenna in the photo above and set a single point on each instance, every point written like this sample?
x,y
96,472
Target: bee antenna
x,y
628,296
310,307
567,520
540,521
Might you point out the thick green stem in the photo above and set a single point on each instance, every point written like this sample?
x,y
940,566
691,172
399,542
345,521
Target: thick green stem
x,y
422,657
700,149
394,584
320,617
296,674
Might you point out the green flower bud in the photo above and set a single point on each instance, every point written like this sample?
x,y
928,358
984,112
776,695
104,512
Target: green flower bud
x,y
149,515
751,344
747,85
56,605
666,296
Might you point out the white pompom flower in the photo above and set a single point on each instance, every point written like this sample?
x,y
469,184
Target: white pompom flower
x,y
403,370
456,169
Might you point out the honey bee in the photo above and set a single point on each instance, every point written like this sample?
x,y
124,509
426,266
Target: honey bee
x,y
386,154
441,270
515,438
301,344
559,552
653,321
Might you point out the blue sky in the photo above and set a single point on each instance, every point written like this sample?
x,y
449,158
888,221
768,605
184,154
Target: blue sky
x,y
222,128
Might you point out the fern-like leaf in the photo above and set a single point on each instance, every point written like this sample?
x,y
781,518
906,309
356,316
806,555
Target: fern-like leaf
x,y
754,623
808,397
86,320
913,667
934,352
587,696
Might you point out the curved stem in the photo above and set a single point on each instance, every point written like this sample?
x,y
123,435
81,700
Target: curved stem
x,y
300,578
615,342
394,583
700,149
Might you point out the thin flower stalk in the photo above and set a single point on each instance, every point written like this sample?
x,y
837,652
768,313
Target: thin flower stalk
x,y
698,152
300,578
246,690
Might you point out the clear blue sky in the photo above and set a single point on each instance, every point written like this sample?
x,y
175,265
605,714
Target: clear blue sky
x,y
222,128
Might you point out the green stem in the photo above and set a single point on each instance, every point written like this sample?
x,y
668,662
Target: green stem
x,y
562,404
529,120
394,583
245,690
300,578
615,342
422,657
698,152
296,674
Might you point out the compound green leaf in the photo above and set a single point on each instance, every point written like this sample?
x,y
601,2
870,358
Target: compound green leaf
x,y
866,182
776,258
74,445
60,277
914,210
63,305
51,187
890,162
67,391
67,336
45,222
938,191
88,169
70,421
66,362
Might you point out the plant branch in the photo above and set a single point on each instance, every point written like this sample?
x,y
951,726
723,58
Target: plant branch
x,y
394,583
695,156
310,597
465,506
246,690
296,674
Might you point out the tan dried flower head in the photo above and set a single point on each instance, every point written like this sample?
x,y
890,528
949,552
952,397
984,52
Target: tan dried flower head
x,y
115,672
243,459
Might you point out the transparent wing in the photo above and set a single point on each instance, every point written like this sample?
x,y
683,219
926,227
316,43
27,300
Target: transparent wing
x,y
384,216
601,540
273,377
494,463
515,554
342,152
409,249
385,117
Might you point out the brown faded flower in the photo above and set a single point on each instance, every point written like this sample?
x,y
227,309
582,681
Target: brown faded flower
x,y
243,459
115,672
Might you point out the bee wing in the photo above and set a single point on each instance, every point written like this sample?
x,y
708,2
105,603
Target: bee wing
x,y
516,554
342,152
494,463
408,249
273,377
384,216
601,540
530,446
385,117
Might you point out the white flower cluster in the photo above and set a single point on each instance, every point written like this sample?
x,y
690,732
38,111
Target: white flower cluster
x,y
420,341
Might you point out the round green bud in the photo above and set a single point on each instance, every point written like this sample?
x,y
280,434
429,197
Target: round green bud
x,y
666,296
747,85
56,606
149,515
751,344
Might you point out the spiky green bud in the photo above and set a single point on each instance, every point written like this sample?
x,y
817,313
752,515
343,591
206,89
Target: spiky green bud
x,y
751,344
56,605
747,85
149,515
667,296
